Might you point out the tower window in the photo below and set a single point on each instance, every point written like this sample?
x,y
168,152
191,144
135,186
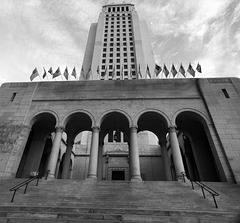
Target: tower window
x,y
110,60
125,66
118,10
118,66
122,9
104,55
103,61
111,49
105,40
118,61
125,54
225,93
111,55
125,60
104,49
109,9
118,54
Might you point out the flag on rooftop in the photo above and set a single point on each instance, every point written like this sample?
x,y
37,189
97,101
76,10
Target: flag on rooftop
x,y
34,74
57,73
74,73
113,72
190,70
165,70
139,72
44,73
182,70
157,70
65,74
173,70
82,74
122,76
98,69
148,72
198,68
50,71
89,73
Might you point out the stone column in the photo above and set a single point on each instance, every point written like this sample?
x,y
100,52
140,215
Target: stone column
x,y
134,155
177,158
166,162
93,161
67,158
54,152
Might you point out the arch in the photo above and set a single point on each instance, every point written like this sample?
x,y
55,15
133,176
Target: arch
x,y
136,118
68,116
34,117
106,113
201,116
152,120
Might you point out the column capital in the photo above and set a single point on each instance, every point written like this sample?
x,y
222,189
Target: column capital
x,y
172,128
133,128
95,129
59,128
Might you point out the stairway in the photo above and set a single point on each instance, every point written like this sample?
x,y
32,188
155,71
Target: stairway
x,y
65,201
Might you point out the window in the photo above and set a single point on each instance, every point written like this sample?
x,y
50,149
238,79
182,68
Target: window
x,y
124,39
125,66
104,49
131,48
105,35
112,27
111,44
118,30
118,39
102,73
131,43
124,44
110,60
225,93
111,55
111,49
125,73
105,44
130,34
103,67
103,60
112,34
118,60
118,49
118,66
118,44
130,38
105,40
124,49
125,54
124,34
124,30
118,54
111,39
112,30
104,55
133,66
132,54
106,30
132,60
118,34
110,67
118,73
125,60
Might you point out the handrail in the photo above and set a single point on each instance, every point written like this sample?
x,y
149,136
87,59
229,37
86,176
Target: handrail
x,y
203,187
26,182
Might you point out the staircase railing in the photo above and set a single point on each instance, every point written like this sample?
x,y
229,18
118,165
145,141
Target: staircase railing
x,y
26,182
203,187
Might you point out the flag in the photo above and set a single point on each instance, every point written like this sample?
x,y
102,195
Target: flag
x,y
74,73
113,72
98,69
157,70
139,71
190,70
199,69
165,70
182,70
173,70
50,71
82,74
131,73
122,73
65,74
105,72
44,74
148,72
34,74
57,73
89,73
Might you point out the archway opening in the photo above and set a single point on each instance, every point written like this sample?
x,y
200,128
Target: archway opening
x,y
114,148
152,129
38,148
197,153
74,157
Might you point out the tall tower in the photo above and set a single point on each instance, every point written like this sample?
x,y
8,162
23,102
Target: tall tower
x,y
118,45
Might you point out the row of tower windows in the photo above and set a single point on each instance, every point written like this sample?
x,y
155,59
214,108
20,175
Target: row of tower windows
x,y
118,18
116,39
118,49
118,25
118,44
125,66
117,55
118,9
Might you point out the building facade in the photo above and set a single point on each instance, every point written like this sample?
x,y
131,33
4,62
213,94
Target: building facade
x,y
196,122
118,46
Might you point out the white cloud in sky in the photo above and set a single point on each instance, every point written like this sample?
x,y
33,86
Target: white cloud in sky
x,y
37,33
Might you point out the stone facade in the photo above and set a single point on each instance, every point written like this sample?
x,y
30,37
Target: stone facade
x,y
211,104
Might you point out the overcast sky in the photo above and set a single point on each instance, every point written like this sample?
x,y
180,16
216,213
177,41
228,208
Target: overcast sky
x,y
52,33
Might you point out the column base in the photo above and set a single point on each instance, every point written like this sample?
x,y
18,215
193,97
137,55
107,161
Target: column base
x,y
136,179
91,178
50,176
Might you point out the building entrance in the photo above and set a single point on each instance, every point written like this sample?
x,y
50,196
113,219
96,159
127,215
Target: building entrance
x,y
118,175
